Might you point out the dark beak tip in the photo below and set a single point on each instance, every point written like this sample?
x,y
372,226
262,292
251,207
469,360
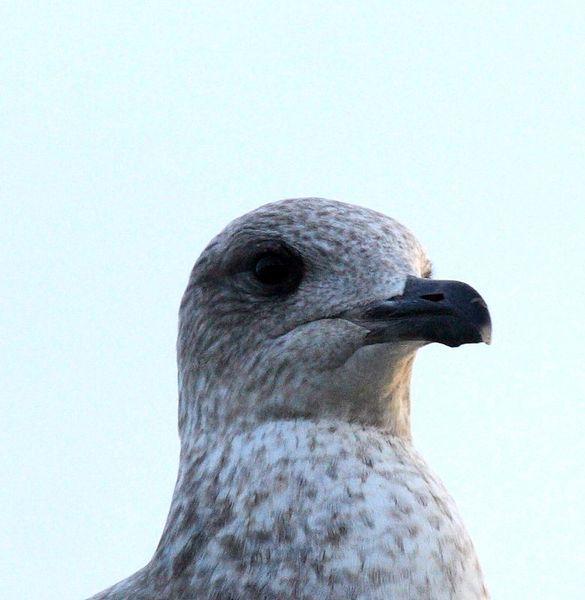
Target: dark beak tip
x,y
484,328
486,334
470,333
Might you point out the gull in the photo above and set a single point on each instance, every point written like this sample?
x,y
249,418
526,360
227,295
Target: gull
x,y
298,477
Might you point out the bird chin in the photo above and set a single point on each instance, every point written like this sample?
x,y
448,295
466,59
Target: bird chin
x,y
376,366
393,350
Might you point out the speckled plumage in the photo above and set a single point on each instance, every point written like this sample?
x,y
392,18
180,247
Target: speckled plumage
x,y
297,477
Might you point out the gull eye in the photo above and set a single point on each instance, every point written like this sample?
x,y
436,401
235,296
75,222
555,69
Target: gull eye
x,y
278,272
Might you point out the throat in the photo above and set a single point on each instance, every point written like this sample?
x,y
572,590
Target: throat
x,y
371,389
398,406
386,406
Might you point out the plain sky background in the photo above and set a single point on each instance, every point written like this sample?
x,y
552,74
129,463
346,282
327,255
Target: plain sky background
x,y
132,132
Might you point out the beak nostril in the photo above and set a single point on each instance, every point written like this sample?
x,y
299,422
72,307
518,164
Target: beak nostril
x,y
433,297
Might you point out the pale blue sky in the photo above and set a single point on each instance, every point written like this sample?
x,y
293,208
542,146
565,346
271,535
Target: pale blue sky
x,y
131,132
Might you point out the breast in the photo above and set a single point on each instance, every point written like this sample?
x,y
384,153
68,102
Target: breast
x,y
323,510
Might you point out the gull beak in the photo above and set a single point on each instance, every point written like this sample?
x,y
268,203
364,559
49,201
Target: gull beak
x,y
428,310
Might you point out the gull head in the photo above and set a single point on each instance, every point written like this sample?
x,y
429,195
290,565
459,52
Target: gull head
x,y
313,309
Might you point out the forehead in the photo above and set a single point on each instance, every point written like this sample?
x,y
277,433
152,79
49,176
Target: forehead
x,y
321,228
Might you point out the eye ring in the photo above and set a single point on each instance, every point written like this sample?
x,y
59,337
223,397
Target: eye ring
x,y
278,271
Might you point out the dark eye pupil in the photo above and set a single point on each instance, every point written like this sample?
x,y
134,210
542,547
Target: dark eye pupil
x,y
272,269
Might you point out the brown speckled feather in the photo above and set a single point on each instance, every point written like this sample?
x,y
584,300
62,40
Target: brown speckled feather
x,y
298,478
